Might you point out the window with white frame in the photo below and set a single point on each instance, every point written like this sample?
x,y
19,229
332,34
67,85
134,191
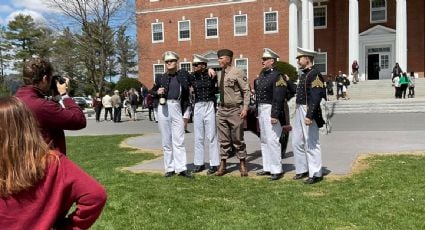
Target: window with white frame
x,y
240,25
242,63
321,61
184,30
186,66
157,32
158,69
211,27
378,11
270,22
320,21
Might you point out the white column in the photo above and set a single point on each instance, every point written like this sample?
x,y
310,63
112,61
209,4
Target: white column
x,y
353,33
401,34
293,32
305,25
311,24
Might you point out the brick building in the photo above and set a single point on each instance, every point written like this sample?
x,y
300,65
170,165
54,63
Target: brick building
x,y
340,30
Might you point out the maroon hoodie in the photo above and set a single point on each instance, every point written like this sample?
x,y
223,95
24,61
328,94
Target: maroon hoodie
x,y
52,118
47,203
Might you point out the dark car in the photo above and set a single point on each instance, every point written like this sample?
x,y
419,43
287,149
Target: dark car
x,y
80,102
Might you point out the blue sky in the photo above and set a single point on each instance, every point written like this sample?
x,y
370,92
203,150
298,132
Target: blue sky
x,y
43,14
10,8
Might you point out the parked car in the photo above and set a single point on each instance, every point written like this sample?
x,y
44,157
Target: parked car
x,y
89,102
80,102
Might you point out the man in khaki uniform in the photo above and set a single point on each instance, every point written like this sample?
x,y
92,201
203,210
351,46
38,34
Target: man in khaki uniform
x,y
234,100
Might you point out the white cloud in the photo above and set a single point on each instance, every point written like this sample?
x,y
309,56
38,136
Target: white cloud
x,y
38,18
35,5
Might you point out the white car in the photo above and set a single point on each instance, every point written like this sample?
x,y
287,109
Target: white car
x,y
88,101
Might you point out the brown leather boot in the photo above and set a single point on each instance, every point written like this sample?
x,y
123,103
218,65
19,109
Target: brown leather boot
x,y
222,169
243,169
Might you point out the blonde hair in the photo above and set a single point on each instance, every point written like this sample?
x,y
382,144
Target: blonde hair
x,y
23,152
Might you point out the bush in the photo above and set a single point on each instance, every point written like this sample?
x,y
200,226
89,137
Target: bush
x,y
288,69
128,83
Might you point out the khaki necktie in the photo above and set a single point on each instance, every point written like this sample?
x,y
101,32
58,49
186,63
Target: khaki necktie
x,y
222,87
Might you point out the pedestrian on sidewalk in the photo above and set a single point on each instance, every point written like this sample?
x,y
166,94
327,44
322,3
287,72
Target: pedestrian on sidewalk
x,y
97,105
204,120
117,105
149,103
172,89
107,104
339,85
308,120
397,88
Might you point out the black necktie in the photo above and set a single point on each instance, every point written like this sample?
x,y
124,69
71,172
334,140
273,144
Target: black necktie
x,y
222,87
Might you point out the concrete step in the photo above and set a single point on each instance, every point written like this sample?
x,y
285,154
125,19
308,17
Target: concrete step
x,y
412,105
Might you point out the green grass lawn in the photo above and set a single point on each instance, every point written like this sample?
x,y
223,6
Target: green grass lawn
x,y
390,194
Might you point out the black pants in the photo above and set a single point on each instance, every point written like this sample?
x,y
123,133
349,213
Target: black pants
x,y
117,114
411,91
108,110
403,89
97,110
151,113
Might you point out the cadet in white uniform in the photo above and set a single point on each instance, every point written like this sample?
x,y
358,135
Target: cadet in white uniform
x,y
308,120
270,90
204,88
172,89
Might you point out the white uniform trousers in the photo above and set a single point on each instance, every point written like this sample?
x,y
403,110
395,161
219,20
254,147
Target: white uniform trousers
x,y
205,127
171,126
269,136
306,145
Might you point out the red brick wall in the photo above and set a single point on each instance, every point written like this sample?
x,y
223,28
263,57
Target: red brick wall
x,y
249,46
415,37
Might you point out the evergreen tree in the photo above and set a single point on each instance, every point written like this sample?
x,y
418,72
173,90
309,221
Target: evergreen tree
x,y
22,32
126,52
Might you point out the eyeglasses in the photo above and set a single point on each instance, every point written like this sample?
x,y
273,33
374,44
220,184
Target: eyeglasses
x,y
170,61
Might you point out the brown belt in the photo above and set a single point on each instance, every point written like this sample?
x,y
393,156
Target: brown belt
x,y
230,105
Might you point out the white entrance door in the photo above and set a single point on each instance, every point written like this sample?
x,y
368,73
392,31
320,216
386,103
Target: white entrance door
x,y
385,60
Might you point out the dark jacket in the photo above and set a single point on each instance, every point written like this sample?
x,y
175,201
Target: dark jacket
x,y
163,81
310,91
52,118
271,88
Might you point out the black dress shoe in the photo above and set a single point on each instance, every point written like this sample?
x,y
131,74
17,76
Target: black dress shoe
x,y
169,174
199,168
276,176
313,180
212,170
186,174
300,176
263,173
186,131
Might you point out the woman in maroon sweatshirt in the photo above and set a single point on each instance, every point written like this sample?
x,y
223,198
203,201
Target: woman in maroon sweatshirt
x,y
38,186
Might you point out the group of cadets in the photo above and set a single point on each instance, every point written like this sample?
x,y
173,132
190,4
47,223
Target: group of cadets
x,y
222,125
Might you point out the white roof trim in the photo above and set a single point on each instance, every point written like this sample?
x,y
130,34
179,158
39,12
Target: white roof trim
x,y
187,7
376,29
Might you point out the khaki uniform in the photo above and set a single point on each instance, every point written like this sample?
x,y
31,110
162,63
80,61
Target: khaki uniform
x,y
235,92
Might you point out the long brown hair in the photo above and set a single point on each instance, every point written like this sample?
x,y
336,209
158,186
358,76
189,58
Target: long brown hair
x,y
23,152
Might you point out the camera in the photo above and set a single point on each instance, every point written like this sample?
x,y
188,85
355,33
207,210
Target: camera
x,y
55,78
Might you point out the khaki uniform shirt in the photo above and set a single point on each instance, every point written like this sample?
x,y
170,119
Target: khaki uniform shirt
x,y
236,89
116,101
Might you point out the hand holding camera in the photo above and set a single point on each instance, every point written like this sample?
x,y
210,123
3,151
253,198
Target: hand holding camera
x,y
60,84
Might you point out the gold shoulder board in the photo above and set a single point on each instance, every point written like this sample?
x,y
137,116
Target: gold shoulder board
x,y
317,83
281,82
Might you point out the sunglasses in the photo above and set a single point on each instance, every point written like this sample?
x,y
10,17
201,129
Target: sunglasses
x,y
170,61
265,59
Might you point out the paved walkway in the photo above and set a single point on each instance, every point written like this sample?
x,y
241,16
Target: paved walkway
x,y
353,135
